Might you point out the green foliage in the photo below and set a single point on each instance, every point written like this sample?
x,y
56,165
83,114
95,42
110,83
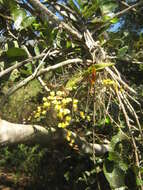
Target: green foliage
x,y
114,175
26,160
108,6
122,51
25,34
20,17
16,52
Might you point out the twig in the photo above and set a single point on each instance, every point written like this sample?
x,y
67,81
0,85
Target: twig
x,y
117,15
127,5
43,84
130,131
6,17
126,10
44,10
41,63
17,65
40,72
117,78
131,109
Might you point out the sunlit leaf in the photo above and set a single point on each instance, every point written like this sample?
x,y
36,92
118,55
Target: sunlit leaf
x,y
114,20
101,66
139,182
16,52
108,6
1,1
73,81
27,22
107,120
18,16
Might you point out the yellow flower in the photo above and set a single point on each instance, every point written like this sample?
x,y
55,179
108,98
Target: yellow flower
x,y
46,104
59,93
61,110
39,108
44,99
88,118
75,107
69,133
66,123
69,88
108,82
37,115
75,101
58,107
72,141
82,115
54,102
71,144
51,97
64,101
52,93
60,115
68,118
68,138
44,112
66,111
62,125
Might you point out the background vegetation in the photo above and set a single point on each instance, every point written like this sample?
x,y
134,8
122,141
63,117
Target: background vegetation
x,y
97,93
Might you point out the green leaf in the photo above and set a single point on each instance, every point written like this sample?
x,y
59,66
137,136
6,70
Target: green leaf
x,y
27,22
74,4
36,49
114,174
90,9
68,44
16,52
114,20
116,139
107,120
18,16
108,6
1,1
139,182
73,81
122,51
101,66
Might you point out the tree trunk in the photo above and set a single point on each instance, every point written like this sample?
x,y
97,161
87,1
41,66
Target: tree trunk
x,y
13,134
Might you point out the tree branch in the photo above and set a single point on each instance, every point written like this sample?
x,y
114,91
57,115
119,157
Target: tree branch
x,y
117,15
44,10
13,134
19,64
40,72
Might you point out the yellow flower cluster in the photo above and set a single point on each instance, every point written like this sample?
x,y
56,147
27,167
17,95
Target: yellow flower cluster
x,y
69,139
60,103
38,112
75,102
108,82
84,117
